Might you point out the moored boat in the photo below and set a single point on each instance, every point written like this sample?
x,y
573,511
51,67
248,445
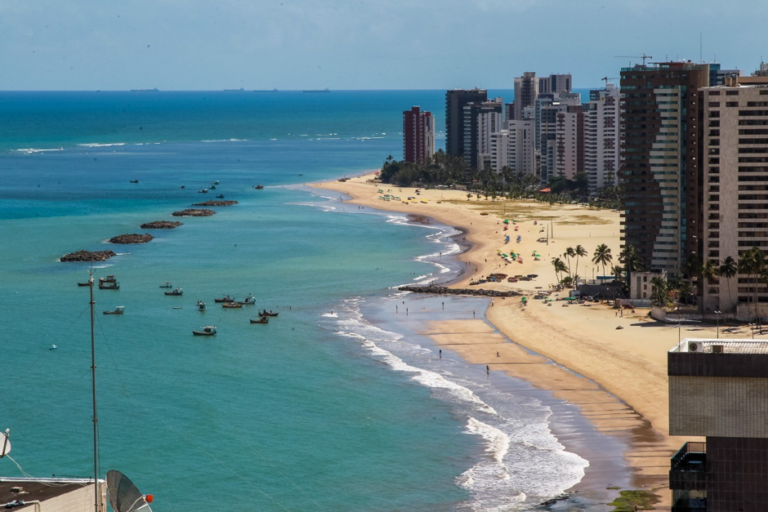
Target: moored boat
x,y
108,279
84,284
208,330
166,285
268,313
261,320
203,191
177,291
200,305
117,311
226,298
231,305
109,285
250,300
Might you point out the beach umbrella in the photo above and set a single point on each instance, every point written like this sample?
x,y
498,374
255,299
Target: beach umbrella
x,y
506,221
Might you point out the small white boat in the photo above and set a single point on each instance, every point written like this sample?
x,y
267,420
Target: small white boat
x,y
53,347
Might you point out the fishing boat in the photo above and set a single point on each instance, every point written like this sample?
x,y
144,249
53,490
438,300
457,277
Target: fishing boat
x,y
232,305
216,182
117,311
268,313
220,196
177,291
250,300
200,305
166,285
203,191
226,298
259,186
84,284
212,187
134,181
109,285
208,330
107,279
261,320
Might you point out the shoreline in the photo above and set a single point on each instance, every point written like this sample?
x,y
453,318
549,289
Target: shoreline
x,y
628,395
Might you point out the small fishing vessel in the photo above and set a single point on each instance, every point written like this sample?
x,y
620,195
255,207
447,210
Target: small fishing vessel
x,y
177,291
216,182
261,320
109,285
220,196
203,191
53,347
117,311
166,285
226,298
200,305
108,279
212,187
134,181
250,300
84,284
259,186
268,313
232,305
208,330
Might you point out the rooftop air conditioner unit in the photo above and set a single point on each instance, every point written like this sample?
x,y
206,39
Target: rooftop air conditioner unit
x,y
696,346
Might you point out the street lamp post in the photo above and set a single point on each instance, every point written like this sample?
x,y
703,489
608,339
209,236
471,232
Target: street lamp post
x,y
718,313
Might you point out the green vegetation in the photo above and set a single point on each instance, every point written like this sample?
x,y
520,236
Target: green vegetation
x,y
444,170
628,500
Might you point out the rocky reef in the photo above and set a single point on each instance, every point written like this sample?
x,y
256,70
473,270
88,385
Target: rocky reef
x,y
194,212
216,203
134,238
87,256
442,290
161,224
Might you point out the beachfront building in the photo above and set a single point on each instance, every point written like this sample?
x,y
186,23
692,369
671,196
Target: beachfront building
x,y
546,109
659,162
717,390
601,137
513,147
641,287
735,197
555,84
526,92
569,141
480,121
418,135
455,101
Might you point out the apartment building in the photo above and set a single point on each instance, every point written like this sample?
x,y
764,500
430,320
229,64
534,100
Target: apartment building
x,y
418,135
480,121
601,137
569,141
455,101
513,147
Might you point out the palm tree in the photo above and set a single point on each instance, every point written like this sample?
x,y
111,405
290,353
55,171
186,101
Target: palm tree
x,y
728,270
753,263
709,270
602,256
569,253
579,251
559,266
659,290
631,260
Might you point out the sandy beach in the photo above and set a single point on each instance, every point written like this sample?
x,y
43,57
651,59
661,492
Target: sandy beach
x,y
612,367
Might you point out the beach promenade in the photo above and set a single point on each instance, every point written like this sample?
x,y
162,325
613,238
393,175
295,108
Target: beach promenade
x,y
622,357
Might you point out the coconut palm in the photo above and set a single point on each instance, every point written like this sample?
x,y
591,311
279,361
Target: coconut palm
x,y
753,264
631,260
659,290
728,270
709,271
602,256
569,253
559,267
579,251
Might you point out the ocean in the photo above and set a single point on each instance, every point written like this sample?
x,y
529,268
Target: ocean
x,y
338,403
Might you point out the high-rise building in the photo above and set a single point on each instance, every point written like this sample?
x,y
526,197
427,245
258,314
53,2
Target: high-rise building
x,y
480,121
601,137
659,162
547,107
555,84
455,101
717,75
569,141
418,135
513,147
734,158
526,92
717,390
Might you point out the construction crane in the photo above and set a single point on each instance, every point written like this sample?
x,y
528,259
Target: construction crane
x,y
606,78
643,56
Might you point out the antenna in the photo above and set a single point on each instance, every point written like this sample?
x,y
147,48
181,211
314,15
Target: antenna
x,y
701,47
643,56
95,416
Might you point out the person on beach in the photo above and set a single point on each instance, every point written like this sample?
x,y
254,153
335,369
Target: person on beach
x,y
441,353
487,370
473,313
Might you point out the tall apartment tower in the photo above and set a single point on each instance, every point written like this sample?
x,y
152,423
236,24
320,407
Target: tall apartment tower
x,y
717,390
659,162
455,101
480,121
735,198
601,137
547,108
526,92
555,84
513,147
418,135
569,141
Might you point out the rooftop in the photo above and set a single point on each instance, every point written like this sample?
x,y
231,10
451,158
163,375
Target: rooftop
x,y
41,489
721,346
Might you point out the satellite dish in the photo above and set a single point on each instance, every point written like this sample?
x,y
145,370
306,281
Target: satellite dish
x,y
5,443
124,496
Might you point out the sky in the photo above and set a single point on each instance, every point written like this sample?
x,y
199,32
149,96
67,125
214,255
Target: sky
x,y
349,44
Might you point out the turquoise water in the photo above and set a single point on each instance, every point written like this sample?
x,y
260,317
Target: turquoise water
x,y
331,406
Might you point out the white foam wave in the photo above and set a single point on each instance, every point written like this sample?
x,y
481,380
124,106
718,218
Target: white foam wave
x,y
30,151
330,315
223,140
101,145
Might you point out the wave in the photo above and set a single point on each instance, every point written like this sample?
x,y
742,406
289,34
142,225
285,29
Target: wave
x,y
101,145
30,151
224,140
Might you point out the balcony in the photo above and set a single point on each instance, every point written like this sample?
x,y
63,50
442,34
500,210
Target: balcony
x,y
688,468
